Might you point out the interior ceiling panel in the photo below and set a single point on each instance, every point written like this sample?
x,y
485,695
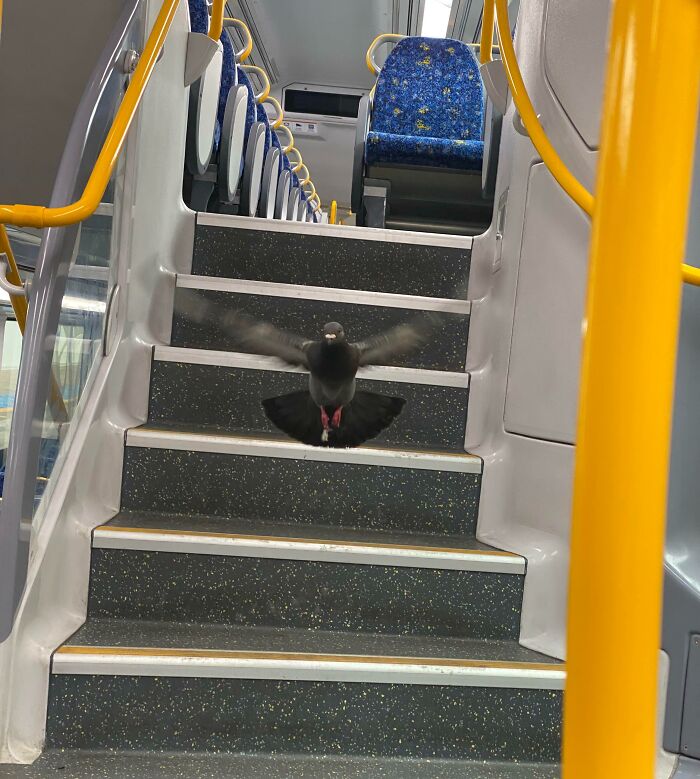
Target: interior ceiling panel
x,y
321,43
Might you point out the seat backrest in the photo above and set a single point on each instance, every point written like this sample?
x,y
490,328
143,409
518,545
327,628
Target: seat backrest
x,y
430,87
252,111
199,22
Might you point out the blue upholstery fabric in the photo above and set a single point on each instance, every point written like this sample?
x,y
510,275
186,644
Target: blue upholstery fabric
x,y
417,150
428,101
295,178
262,117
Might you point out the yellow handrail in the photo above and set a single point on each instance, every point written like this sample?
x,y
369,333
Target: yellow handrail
x,y
290,145
333,212
300,161
569,183
312,194
384,37
486,46
216,23
307,176
41,216
242,56
624,428
261,97
278,108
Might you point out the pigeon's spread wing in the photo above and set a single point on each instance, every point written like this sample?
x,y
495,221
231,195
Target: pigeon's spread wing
x,y
399,341
249,334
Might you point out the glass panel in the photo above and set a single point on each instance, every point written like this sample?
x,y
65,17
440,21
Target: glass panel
x,y
78,347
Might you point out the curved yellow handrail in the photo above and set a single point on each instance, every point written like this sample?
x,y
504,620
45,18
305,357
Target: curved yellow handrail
x,y
245,52
307,176
262,96
311,195
300,161
278,108
317,200
333,212
384,37
41,216
216,23
286,149
569,183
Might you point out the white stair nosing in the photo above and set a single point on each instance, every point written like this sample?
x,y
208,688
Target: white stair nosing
x,y
226,359
327,294
306,550
151,662
151,438
438,240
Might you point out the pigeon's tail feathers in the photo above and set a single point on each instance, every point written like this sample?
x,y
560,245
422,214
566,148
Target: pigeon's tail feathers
x,y
296,415
364,418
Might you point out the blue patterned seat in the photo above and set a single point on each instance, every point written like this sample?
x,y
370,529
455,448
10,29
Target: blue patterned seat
x,y
428,107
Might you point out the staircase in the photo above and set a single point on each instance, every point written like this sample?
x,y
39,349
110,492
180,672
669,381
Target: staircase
x,y
259,608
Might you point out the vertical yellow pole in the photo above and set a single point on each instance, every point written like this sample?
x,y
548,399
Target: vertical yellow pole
x,y
486,45
216,25
333,212
622,456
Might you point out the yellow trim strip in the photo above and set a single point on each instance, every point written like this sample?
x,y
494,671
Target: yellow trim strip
x,y
40,216
233,654
578,193
637,247
294,540
261,97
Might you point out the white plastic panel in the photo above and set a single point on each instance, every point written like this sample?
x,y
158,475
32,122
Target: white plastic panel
x,y
209,101
542,392
575,44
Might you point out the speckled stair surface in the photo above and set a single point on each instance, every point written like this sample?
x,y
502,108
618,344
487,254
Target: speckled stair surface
x,y
354,258
274,481
288,309
223,391
79,764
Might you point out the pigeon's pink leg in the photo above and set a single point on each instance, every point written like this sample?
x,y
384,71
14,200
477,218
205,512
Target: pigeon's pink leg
x,y
337,414
325,421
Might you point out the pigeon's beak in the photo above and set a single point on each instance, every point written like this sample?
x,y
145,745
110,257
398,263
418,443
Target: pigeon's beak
x,y
330,336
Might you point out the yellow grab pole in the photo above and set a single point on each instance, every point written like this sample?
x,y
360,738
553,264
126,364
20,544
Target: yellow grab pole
x,y
333,212
623,443
216,23
486,46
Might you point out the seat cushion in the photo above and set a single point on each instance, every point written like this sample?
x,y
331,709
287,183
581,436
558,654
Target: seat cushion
x,y
430,88
421,150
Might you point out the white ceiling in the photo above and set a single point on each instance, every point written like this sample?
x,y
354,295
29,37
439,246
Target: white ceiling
x,y
321,42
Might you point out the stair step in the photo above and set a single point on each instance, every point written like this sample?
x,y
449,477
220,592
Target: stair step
x,y
223,391
270,480
88,764
305,310
358,258
170,686
307,583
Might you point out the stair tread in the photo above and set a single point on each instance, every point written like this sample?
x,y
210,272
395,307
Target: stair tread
x,y
239,526
100,633
82,764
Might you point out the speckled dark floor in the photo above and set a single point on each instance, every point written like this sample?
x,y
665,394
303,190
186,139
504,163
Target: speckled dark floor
x,y
302,717
71,764
209,524
229,399
183,635
327,261
304,594
300,491
446,350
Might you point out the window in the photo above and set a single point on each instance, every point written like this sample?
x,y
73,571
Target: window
x,y
436,18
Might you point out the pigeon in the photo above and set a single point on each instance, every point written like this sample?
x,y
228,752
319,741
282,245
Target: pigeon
x,y
332,412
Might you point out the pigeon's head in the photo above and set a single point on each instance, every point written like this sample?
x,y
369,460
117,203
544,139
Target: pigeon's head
x,y
333,333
